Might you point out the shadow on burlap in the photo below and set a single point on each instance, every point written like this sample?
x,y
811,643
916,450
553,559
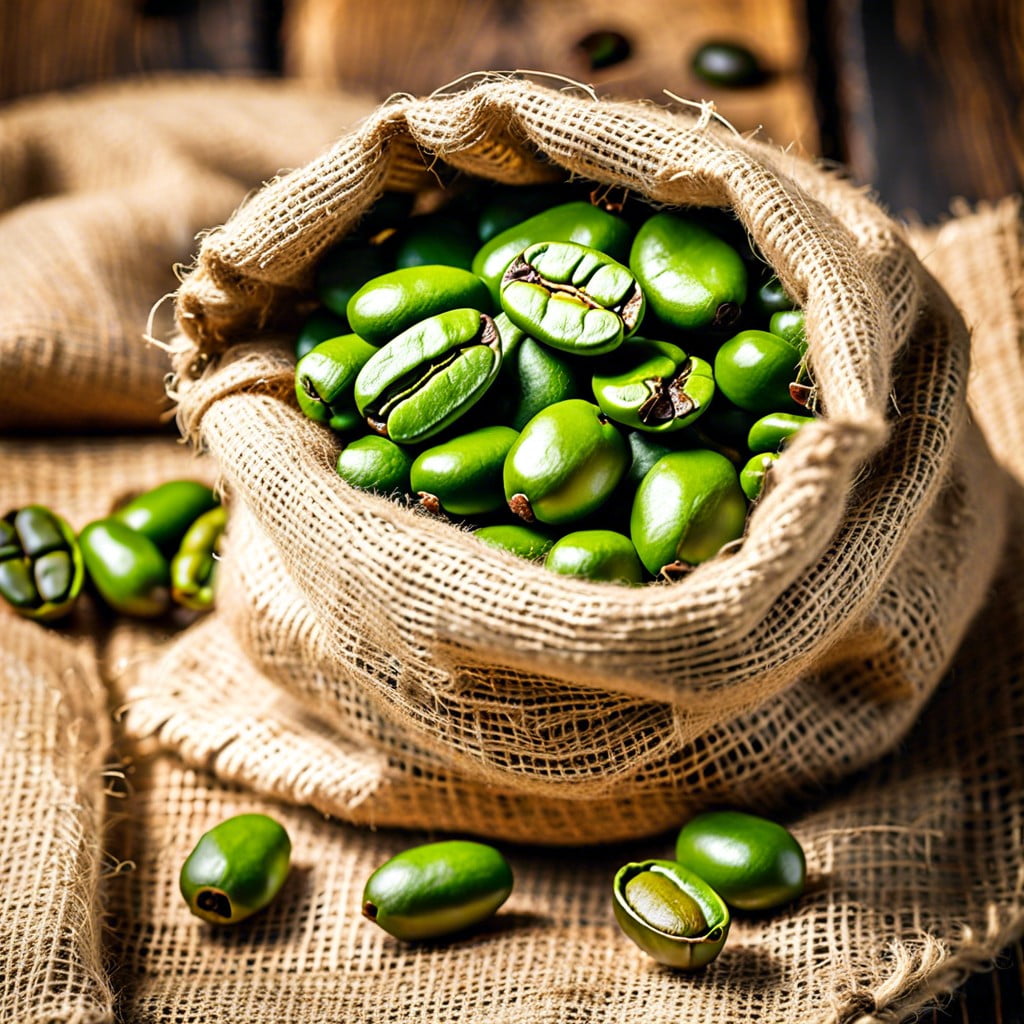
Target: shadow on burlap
x,y
914,864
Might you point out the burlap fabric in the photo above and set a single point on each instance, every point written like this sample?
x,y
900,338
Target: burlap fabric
x,y
914,869
56,759
54,735
915,866
120,177
766,674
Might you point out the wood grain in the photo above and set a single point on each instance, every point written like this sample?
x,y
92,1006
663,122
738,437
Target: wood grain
x,y
53,44
931,94
418,46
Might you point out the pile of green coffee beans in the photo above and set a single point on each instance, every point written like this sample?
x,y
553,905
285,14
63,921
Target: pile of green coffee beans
x,y
604,386
157,551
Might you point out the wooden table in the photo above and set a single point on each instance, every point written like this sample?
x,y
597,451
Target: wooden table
x,y
923,99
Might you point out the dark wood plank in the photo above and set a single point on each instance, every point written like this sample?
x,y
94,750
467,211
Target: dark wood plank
x,y
993,997
931,94
50,44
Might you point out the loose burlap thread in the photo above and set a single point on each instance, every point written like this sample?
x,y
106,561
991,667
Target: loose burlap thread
x,y
766,674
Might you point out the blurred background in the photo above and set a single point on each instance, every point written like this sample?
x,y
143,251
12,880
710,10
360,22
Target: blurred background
x,y
922,99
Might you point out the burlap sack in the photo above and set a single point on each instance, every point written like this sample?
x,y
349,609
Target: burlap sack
x,y
914,882
766,674
914,867
101,194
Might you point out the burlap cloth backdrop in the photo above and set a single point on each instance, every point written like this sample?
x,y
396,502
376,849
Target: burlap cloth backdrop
x,y
115,178
915,866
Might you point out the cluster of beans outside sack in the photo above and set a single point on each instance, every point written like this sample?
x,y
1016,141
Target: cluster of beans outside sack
x,y
601,385
155,552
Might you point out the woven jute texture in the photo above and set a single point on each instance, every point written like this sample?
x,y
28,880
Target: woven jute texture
x,y
101,194
53,737
914,881
913,869
56,760
914,864
764,675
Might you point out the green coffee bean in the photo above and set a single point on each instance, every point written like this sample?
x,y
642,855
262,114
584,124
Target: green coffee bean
x,y
571,222
519,540
437,889
375,464
126,568
344,269
17,585
604,48
429,375
320,326
435,239
41,567
509,206
532,378
596,555
691,278
53,575
10,545
645,450
194,567
658,387
666,907
565,463
772,297
386,306
670,912
687,507
165,512
324,381
727,65
463,476
789,324
754,474
236,868
754,370
754,863
38,530
572,297
772,431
